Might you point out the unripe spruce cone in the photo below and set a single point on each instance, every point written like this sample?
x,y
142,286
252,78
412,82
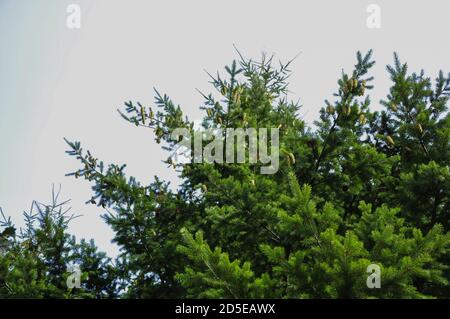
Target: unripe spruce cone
x,y
349,85
362,91
390,140
330,110
345,88
346,110
419,128
143,115
224,90
291,158
362,119
159,134
236,97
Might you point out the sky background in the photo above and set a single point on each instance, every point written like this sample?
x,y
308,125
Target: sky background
x,y
56,82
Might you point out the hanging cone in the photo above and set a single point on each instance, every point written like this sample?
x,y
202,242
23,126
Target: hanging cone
x,y
419,127
362,119
390,140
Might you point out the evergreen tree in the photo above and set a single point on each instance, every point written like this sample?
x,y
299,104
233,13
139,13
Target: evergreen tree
x,y
35,261
357,188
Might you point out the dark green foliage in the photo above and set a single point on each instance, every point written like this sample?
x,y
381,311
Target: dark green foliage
x,y
364,187
34,261
357,188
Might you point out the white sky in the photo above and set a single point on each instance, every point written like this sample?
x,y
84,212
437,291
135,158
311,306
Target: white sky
x,y
57,82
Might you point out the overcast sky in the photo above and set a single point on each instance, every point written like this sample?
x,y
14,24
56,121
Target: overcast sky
x,y
56,82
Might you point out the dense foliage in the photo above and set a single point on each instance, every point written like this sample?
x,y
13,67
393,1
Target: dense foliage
x,y
36,261
357,188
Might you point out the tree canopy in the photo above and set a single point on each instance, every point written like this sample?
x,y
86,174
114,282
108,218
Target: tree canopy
x,y
359,187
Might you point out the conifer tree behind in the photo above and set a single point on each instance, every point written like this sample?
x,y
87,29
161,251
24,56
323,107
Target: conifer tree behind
x,y
36,261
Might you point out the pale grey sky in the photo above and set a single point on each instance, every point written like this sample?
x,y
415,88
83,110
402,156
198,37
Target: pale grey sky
x,y
57,82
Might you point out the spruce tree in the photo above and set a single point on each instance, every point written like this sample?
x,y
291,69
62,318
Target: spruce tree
x,y
357,188
36,261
